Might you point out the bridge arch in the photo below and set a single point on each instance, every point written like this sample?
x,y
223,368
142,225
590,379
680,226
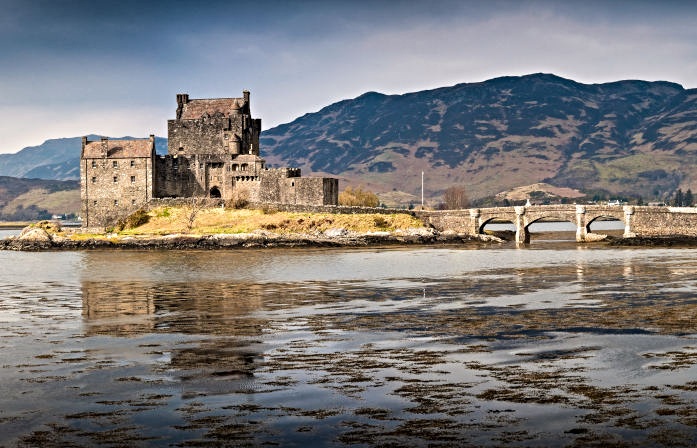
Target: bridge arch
x,y
494,220
603,217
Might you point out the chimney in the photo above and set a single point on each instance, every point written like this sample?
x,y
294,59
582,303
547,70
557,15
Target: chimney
x,y
247,106
182,99
104,146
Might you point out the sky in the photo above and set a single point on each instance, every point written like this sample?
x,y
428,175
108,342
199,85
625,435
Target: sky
x,y
72,67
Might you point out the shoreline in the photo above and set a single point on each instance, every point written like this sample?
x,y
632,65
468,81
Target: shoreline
x,y
44,241
47,239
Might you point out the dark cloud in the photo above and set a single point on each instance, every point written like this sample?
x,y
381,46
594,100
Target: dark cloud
x,y
76,59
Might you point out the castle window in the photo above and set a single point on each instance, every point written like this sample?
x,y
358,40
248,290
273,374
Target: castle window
x,y
133,202
133,179
133,163
94,202
115,164
116,202
94,164
94,179
116,179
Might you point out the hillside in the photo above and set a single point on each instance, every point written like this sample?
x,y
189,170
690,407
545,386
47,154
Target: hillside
x,y
31,199
57,159
535,133
627,138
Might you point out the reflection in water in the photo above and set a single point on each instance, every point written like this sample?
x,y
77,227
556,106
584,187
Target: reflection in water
x,y
546,346
212,308
215,309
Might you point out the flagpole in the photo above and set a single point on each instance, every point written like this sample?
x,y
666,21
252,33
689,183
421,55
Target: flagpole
x,y
422,190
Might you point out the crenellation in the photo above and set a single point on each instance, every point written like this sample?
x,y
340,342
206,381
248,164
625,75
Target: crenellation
x,y
213,151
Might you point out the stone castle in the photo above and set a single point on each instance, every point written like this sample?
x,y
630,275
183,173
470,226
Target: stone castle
x,y
213,152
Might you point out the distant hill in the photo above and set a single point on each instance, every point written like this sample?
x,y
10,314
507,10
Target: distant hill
x,y
626,139
540,134
57,159
31,199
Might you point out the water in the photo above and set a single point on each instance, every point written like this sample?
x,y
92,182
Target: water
x,y
4,233
551,345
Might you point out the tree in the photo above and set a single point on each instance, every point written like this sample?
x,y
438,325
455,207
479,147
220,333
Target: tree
x,y
678,199
688,199
358,197
455,198
194,205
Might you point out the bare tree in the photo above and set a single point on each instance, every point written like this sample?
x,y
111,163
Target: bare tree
x,y
455,198
194,205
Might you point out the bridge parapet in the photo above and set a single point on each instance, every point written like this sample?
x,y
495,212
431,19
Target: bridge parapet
x,y
638,220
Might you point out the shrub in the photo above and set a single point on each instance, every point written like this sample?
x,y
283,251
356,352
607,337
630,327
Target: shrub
x,y
358,197
49,226
380,222
163,213
239,199
135,219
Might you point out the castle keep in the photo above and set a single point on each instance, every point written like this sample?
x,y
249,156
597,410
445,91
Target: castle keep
x,y
213,151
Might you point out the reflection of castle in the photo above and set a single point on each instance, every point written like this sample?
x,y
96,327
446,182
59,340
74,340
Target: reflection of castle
x,y
218,310
215,308
213,151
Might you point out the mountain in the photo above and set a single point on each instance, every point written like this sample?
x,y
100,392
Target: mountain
x,y
540,133
30,199
57,159
627,138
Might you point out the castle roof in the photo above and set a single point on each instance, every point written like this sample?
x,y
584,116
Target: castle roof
x,y
194,109
119,149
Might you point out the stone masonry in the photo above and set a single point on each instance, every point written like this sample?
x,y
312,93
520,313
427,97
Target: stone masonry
x,y
116,177
213,151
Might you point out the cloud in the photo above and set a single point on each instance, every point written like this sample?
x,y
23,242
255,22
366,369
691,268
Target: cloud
x,y
102,64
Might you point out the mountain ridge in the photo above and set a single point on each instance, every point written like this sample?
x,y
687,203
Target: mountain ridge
x,y
499,134
628,138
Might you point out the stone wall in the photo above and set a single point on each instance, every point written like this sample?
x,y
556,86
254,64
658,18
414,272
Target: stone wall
x,y
664,221
112,188
236,134
174,177
455,220
202,136
338,209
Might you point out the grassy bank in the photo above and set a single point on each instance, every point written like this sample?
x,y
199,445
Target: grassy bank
x,y
189,220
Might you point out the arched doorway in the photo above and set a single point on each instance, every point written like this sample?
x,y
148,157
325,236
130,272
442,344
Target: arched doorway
x,y
215,192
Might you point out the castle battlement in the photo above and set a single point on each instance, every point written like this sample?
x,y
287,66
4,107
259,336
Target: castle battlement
x,y
212,151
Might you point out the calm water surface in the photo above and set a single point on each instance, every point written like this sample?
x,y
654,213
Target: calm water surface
x,y
551,345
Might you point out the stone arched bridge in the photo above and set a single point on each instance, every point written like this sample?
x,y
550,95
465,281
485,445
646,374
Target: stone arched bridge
x,y
638,220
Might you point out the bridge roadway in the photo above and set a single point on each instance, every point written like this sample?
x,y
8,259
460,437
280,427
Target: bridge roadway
x,y
638,220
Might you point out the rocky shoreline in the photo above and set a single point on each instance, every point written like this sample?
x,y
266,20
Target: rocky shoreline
x,y
38,239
